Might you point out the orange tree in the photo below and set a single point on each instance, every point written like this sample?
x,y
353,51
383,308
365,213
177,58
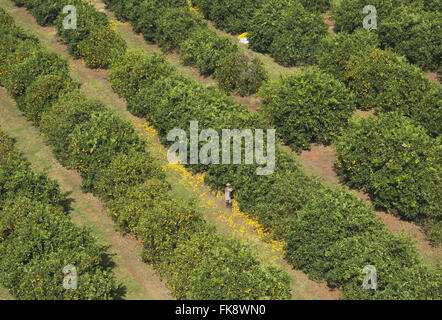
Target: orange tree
x,y
33,208
410,28
396,162
385,81
307,108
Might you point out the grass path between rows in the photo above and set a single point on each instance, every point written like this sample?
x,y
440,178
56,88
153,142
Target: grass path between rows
x,y
94,83
4,294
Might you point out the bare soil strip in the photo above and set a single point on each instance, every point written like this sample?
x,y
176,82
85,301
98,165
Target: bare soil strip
x,y
4,294
331,23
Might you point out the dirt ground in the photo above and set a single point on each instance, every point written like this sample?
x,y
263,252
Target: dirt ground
x,y
331,23
432,76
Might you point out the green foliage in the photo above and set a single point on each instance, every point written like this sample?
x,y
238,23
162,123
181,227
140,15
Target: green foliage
x,y
96,142
432,5
5,18
240,73
42,93
21,3
385,81
127,204
126,171
204,49
348,14
175,26
124,9
427,112
334,53
273,199
152,100
175,101
134,70
307,108
7,150
15,45
396,162
296,40
47,11
404,26
289,40
414,33
168,223
38,64
58,122
234,16
335,236
433,230
101,47
264,25
32,267
316,5
375,249
88,20
38,239
179,269
323,221
18,180
143,15
215,280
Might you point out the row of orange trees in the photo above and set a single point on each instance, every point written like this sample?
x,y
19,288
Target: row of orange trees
x,y
38,239
236,16
174,27
317,106
291,204
288,30
111,158
409,27
397,159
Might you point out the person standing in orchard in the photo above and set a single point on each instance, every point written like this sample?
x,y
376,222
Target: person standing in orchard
x,y
228,195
